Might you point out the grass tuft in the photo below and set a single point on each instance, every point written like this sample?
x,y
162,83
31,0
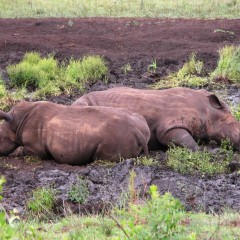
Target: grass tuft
x,y
228,67
42,203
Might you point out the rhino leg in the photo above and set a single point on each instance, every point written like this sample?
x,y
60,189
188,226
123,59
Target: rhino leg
x,y
180,137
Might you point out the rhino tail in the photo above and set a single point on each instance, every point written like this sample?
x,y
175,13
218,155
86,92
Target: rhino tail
x,y
143,142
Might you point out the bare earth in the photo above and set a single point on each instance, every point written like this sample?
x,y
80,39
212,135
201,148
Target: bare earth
x,y
137,42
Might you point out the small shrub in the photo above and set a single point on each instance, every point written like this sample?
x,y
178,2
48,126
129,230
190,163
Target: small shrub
x,y
228,67
42,203
79,192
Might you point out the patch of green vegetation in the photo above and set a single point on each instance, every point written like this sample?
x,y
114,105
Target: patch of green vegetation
x,y
79,191
2,88
126,68
124,8
160,217
228,67
42,203
188,76
146,161
200,162
152,67
7,232
33,71
48,77
236,111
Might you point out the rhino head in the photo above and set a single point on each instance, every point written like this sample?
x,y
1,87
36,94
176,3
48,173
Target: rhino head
x,y
226,126
8,139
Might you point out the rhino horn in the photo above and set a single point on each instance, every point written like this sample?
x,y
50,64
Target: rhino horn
x,y
5,116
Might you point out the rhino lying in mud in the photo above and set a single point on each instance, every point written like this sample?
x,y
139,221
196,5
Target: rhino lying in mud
x,y
73,136
180,115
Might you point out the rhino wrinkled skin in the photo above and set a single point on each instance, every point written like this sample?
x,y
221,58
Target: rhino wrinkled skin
x,y
179,115
73,136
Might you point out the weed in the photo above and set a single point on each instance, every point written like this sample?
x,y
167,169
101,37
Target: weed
x,y
79,192
126,68
133,194
153,66
228,67
42,203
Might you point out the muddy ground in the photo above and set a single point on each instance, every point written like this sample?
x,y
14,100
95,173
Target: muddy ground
x,y
137,42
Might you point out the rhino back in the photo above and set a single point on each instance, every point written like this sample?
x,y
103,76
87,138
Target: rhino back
x,y
164,109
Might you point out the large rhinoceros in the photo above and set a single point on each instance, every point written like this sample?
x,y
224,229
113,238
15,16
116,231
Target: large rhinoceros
x,y
73,136
179,115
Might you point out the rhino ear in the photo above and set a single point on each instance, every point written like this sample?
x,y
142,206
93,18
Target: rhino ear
x,y
5,116
215,102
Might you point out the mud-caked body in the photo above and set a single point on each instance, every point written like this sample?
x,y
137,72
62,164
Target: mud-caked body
x,y
180,115
73,136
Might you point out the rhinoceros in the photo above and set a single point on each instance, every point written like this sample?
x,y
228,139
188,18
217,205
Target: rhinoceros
x,y
73,136
177,115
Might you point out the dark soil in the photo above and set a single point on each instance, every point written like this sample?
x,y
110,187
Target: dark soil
x,y
137,42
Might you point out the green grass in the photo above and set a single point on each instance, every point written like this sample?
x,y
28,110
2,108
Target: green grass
x,y
236,111
228,67
160,217
46,76
200,162
191,73
41,204
120,8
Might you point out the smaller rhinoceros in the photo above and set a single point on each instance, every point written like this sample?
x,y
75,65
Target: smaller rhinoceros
x,y
180,115
73,135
